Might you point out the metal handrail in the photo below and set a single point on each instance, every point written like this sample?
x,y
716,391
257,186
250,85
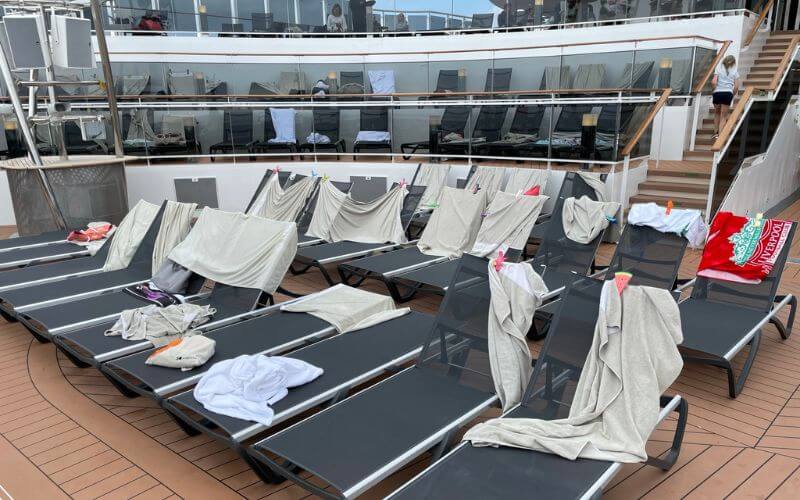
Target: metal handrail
x,y
626,151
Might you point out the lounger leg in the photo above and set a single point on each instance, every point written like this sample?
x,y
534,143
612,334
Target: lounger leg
x,y
74,359
283,470
7,317
186,428
735,384
397,295
38,336
289,293
124,390
440,449
785,330
299,270
671,456
325,274
346,274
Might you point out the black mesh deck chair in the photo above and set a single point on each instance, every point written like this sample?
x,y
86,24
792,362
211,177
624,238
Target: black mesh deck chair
x,y
447,81
73,268
374,119
454,121
524,132
318,256
348,360
265,146
33,240
449,385
482,20
487,129
16,301
326,123
237,133
75,143
498,80
470,472
565,139
351,82
558,260
721,318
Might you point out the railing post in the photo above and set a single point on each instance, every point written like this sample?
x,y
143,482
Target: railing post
x,y
711,185
695,120
623,191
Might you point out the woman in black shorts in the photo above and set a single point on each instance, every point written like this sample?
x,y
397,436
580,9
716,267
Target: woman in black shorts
x,y
726,83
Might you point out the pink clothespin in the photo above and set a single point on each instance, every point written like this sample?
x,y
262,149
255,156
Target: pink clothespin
x,y
276,169
670,206
403,183
621,279
499,261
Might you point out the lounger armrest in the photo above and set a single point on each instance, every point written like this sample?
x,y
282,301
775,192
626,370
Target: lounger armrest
x,y
671,404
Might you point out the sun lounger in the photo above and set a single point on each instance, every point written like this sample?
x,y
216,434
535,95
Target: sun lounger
x,y
470,472
487,129
47,238
237,133
318,256
454,121
374,131
348,360
326,124
449,386
524,131
721,318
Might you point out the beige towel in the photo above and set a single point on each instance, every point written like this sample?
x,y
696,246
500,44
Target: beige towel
x,y
282,205
434,178
175,225
585,219
507,224
454,225
488,179
522,179
329,201
129,235
377,221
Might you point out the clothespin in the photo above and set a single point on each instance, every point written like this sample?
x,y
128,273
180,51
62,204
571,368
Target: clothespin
x,y
519,193
102,85
499,261
314,173
757,221
276,170
670,206
476,188
621,279
403,183
534,191
611,219
433,204
325,178
484,214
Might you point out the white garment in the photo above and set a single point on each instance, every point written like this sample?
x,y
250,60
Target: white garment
x,y
377,221
487,178
175,225
726,78
585,219
373,136
346,308
329,201
632,361
516,293
160,325
684,222
129,235
336,24
434,178
185,353
382,81
523,179
283,123
453,226
317,138
246,386
508,223
594,181
238,249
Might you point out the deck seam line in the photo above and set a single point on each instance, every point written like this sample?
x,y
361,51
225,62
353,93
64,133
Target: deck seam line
x,y
783,482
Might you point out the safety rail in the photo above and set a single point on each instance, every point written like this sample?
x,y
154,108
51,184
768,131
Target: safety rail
x,y
636,137
766,9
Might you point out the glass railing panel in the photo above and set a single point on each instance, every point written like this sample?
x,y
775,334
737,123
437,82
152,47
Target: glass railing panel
x,y
138,78
458,76
671,68
596,71
397,77
703,59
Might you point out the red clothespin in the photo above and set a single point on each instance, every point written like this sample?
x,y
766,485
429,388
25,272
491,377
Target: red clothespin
x,y
621,279
534,191
499,261
670,206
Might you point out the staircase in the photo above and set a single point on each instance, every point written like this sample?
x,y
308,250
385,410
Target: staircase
x,y
686,182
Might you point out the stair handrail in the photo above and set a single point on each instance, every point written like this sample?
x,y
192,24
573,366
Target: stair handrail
x,y
765,9
711,67
662,100
734,120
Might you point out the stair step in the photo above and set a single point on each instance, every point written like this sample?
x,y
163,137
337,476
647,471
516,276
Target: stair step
x,y
650,186
698,154
661,200
678,180
705,173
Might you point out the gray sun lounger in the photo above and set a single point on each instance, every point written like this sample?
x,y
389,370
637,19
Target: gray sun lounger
x,y
318,256
358,442
56,271
470,472
39,254
348,360
47,238
721,318
16,302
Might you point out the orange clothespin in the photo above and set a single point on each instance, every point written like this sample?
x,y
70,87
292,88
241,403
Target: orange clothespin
x,y
499,261
670,206
758,220
621,279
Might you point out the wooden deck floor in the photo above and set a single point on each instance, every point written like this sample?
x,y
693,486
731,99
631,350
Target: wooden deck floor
x,y
66,432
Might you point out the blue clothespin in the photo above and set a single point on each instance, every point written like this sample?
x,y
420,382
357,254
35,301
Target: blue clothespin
x,y
611,219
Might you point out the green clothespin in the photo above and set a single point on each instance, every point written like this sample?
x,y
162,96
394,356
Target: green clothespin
x,y
325,177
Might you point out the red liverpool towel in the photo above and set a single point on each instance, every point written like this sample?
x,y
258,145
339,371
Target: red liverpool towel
x,y
741,249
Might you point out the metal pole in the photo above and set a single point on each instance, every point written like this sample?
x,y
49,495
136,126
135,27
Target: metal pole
x,y
58,129
97,19
30,142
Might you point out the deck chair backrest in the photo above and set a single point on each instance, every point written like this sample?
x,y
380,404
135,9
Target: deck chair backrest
x,y
651,256
454,119
410,204
72,135
570,119
555,77
457,345
497,79
607,119
552,385
462,183
351,77
231,300
305,218
261,22
326,122
558,252
589,76
374,119
144,253
259,188
365,188
758,297
238,126
482,20
527,120
269,127
447,80
490,122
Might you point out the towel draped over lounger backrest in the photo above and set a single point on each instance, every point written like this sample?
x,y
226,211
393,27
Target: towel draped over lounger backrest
x,y
238,250
522,179
452,228
434,177
276,203
507,224
487,178
377,221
